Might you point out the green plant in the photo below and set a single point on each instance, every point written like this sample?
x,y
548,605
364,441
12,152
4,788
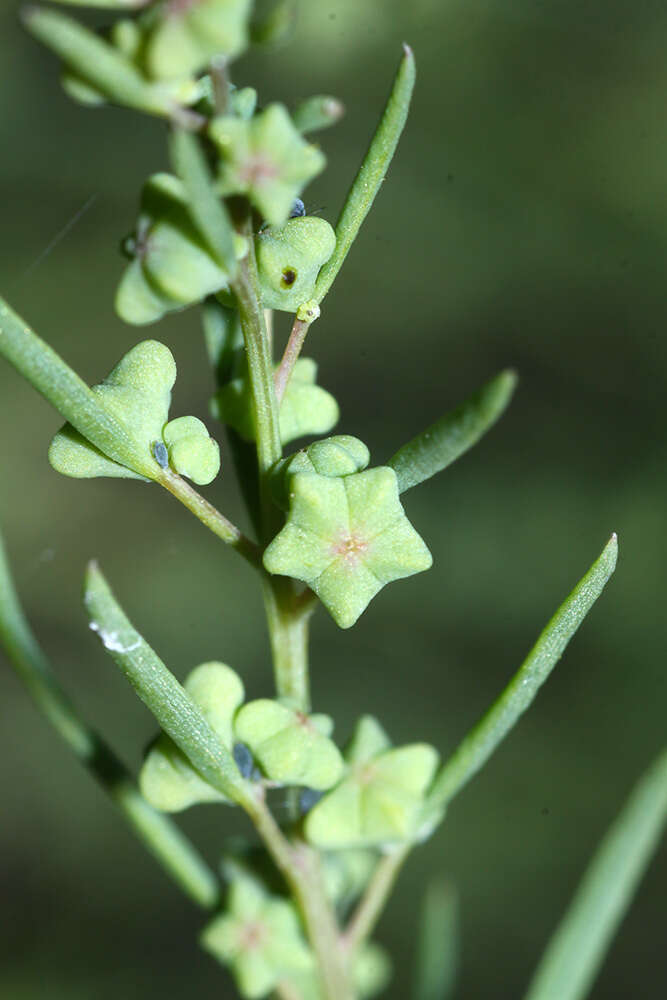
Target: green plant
x,y
218,231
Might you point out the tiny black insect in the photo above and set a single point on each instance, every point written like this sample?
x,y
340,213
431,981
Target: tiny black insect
x,y
244,760
160,454
298,209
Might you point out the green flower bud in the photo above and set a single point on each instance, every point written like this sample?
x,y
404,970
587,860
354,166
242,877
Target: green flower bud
x,y
346,538
379,801
318,112
372,970
306,408
290,747
289,260
182,36
192,452
138,393
259,938
167,779
266,159
341,455
172,265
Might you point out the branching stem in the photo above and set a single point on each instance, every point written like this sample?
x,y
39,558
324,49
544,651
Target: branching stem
x,y
368,912
295,343
211,517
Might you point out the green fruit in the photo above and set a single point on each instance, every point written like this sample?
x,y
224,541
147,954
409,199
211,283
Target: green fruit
x,y
306,408
192,452
290,747
138,393
289,260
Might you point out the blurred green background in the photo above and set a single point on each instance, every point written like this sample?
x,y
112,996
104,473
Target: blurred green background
x,y
523,223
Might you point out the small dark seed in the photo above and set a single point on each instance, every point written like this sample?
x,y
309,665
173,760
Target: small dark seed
x,y
288,278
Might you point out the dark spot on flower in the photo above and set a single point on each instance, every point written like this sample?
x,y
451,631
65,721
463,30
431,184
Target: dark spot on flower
x,y
288,278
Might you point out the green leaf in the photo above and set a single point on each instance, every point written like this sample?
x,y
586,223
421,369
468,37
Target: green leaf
x,y
205,206
161,837
577,949
316,113
107,4
480,743
174,709
63,388
372,171
276,25
438,951
451,436
99,63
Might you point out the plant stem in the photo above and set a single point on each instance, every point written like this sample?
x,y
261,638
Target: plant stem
x,y
211,517
300,867
368,912
288,632
260,365
159,834
295,343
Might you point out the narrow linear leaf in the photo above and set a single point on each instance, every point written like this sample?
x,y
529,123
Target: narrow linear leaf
x,y
371,172
62,387
98,62
438,944
277,24
160,691
480,743
577,949
162,837
451,436
207,209
107,4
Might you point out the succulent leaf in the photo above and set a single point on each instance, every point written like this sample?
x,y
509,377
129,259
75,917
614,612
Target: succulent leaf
x,y
346,538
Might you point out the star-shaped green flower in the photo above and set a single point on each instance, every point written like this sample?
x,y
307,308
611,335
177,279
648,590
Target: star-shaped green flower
x,y
379,802
259,937
266,159
346,538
